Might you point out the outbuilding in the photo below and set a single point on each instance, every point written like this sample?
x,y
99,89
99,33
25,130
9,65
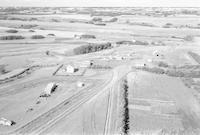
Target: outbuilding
x,y
80,84
50,88
5,122
70,68
156,53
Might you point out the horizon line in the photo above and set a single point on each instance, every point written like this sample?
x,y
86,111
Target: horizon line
x,y
101,7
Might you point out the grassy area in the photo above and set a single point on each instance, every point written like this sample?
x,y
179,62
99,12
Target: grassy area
x,y
188,38
195,56
184,71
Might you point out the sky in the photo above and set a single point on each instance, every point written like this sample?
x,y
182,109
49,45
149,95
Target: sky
x,y
101,3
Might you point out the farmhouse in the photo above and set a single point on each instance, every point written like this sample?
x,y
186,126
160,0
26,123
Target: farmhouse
x,y
156,53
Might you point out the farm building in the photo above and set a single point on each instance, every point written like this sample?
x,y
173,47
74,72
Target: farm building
x,y
156,53
149,60
50,88
70,68
119,57
5,122
80,84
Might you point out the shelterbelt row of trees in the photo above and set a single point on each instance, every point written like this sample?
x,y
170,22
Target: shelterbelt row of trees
x,y
92,48
17,37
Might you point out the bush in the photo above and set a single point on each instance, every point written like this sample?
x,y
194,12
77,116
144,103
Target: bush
x,y
37,37
85,36
141,43
124,42
11,37
100,67
153,70
162,64
132,43
2,69
91,48
168,24
100,23
45,95
97,19
88,36
31,31
12,31
175,73
28,26
115,19
51,34
188,38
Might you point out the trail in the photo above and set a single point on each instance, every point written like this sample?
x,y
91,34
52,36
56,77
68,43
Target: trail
x,y
112,109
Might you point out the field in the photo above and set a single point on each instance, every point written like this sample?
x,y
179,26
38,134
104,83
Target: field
x,y
116,70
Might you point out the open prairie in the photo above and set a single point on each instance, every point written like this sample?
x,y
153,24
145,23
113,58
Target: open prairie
x,y
100,71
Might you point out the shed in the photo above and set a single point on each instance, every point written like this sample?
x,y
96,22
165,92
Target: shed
x,y
80,84
5,122
149,60
50,88
133,40
156,53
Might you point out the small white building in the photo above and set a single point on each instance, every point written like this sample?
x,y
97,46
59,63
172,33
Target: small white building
x,y
50,88
119,57
5,122
133,40
80,84
77,36
149,60
70,68
156,53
